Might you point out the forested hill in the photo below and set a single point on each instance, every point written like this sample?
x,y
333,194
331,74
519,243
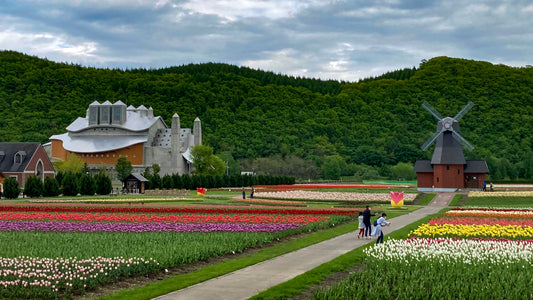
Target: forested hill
x,y
251,113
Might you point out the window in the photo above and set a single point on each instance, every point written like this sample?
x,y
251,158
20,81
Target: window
x,y
39,170
437,179
18,158
93,115
447,167
458,171
105,115
117,114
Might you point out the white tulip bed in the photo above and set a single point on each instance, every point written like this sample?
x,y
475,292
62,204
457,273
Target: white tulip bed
x,y
332,196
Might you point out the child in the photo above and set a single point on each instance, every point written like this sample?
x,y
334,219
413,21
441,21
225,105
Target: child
x,y
361,226
377,229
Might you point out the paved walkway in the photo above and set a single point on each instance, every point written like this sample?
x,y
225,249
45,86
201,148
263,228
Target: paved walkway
x,y
248,282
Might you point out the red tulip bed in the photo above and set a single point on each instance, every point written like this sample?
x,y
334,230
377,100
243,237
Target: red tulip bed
x,y
57,251
467,253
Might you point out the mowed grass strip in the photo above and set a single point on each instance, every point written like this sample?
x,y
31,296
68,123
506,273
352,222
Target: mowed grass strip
x,y
515,202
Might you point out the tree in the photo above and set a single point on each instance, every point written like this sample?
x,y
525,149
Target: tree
x,y
103,184
123,169
155,182
73,164
33,187
205,162
70,184
167,182
403,170
50,187
156,168
11,188
87,185
331,169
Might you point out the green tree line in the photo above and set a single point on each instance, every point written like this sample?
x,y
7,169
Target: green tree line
x,y
253,118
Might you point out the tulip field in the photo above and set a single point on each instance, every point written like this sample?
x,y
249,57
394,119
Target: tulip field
x,y
63,250
355,197
465,253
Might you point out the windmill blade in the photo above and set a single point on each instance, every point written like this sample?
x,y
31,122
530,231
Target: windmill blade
x,y
463,111
461,140
430,140
432,110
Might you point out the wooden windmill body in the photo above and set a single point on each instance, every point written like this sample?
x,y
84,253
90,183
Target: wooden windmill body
x,y
448,170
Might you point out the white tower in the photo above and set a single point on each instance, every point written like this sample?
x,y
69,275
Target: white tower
x,y
197,131
177,160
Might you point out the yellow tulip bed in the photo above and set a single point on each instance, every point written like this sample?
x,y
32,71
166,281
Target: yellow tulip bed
x,y
471,231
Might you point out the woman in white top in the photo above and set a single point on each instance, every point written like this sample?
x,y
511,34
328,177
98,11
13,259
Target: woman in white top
x,y
361,226
377,229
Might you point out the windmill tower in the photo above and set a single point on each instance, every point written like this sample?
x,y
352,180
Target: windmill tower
x,y
448,170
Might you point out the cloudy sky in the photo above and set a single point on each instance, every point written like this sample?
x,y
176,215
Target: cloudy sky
x,y
328,39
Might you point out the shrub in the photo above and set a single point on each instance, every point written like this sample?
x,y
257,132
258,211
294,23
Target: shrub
x,y
87,185
103,184
167,182
33,187
11,188
51,187
70,185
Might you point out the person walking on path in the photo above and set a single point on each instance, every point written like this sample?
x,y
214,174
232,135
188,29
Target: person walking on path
x,y
361,233
366,220
243,194
252,193
380,222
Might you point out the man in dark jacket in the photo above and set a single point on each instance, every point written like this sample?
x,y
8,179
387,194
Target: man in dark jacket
x,y
366,220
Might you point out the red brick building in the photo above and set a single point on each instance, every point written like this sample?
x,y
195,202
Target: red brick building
x,y
22,160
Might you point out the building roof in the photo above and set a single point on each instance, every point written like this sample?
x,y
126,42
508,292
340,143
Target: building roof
x,y
187,155
476,166
7,156
92,144
423,166
138,177
134,122
448,150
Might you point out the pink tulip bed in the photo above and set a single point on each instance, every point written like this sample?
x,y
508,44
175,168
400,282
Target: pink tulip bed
x,y
63,250
333,196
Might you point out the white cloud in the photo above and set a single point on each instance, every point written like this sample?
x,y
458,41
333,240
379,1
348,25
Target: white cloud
x,y
236,9
50,46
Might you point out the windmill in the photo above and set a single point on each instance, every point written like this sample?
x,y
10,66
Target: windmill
x,y
447,126
448,166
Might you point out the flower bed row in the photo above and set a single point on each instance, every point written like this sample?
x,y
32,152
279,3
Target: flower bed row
x,y
182,209
268,202
491,212
455,250
474,194
33,277
183,218
140,227
333,196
